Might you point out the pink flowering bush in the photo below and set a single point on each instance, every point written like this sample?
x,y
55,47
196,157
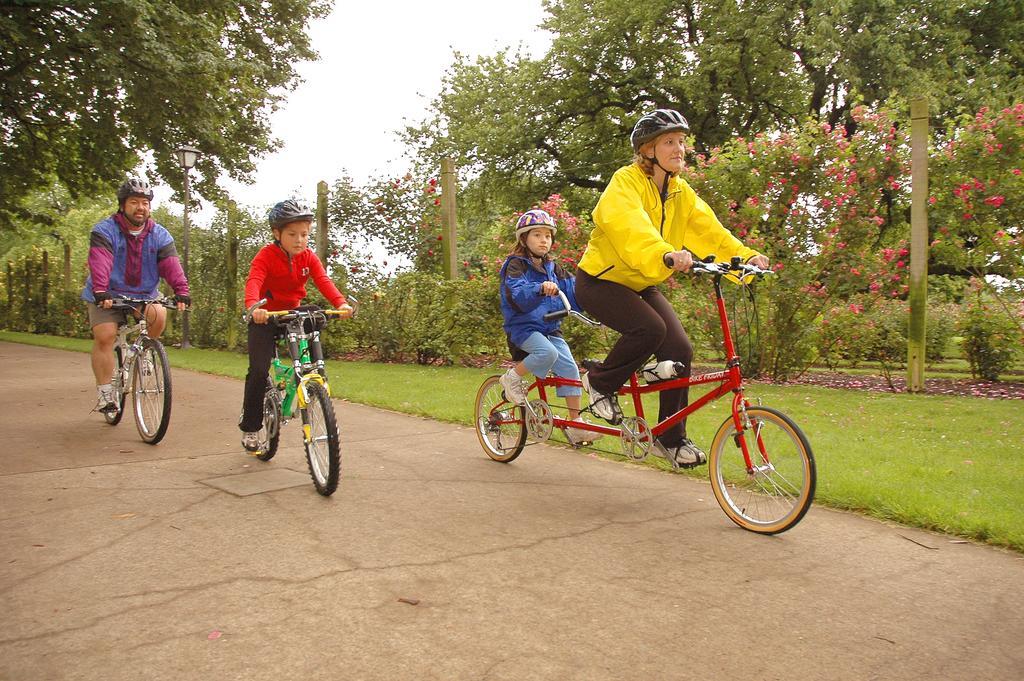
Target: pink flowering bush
x,y
829,209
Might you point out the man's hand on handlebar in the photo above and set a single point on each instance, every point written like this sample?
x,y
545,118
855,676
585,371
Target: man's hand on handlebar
x,y
549,288
103,299
679,261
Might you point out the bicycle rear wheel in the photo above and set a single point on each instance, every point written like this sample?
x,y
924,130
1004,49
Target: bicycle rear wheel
x,y
151,391
775,493
118,381
323,451
500,425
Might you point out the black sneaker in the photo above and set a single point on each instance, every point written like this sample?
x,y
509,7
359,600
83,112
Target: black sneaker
x,y
602,405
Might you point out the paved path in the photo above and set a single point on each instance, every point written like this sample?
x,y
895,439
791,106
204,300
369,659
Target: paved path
x,y
118,562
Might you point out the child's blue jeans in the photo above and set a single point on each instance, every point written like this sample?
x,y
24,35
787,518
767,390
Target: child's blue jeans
x,y
551,353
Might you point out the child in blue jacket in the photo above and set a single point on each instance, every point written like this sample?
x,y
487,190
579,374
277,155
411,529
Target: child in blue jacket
x,y
530,281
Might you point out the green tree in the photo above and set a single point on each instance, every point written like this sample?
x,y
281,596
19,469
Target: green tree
x,y
87,87
527,128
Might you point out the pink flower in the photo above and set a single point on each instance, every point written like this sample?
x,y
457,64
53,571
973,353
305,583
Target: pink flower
x,y
995,201
855,308
752,201
1015,171
855,271
931,200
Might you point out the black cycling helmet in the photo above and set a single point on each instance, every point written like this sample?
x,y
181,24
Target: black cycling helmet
x,y
655,123
287,211
134,187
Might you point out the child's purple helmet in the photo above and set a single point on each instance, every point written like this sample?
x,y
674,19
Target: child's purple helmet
x,y
532,219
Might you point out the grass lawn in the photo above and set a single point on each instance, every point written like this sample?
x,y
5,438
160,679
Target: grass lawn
x,y
953,464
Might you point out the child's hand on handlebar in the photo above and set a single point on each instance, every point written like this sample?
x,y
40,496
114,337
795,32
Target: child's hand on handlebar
x,y
549,288
346,311
260,316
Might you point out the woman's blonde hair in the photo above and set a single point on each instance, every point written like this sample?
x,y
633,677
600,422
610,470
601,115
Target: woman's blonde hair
x,y
646,163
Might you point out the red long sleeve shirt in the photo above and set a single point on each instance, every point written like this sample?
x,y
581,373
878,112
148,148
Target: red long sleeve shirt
x,y
281,279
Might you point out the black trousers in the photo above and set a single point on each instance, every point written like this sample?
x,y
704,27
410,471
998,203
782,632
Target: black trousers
x,y
649,326
261,353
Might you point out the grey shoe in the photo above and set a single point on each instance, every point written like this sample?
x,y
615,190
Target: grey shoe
x,y
683,455
578,436
251,442
105,402
602,405
515,391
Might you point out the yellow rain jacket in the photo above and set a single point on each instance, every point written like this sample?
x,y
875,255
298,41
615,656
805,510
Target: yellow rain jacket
x,y
633,230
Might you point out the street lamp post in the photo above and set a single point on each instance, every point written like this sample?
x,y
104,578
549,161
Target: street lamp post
x,y
187,157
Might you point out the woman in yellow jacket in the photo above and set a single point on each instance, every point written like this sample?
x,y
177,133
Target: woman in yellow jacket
x,y
647,224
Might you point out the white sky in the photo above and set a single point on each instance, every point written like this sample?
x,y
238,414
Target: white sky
x,y
380,65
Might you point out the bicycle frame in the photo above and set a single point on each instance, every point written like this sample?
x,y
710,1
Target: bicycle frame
x,y
135,329
729,380
307,364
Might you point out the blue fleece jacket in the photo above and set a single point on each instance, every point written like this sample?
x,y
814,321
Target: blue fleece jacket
x,y
522,303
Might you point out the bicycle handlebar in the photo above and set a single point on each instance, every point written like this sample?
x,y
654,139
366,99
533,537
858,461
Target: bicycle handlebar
x,y
126,303
280,316
559,314
735,265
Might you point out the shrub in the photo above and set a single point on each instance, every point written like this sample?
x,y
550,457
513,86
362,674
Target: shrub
x,y
990,338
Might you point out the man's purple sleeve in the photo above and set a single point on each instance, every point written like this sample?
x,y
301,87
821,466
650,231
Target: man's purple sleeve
x,y
169,268
101,261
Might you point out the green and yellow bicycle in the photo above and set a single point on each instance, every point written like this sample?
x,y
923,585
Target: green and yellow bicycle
x,y
298,384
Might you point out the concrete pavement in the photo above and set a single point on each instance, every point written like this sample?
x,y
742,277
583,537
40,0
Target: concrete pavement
x,y
117,561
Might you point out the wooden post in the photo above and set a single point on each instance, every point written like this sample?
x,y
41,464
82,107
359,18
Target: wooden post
x,y
27,310
916,335
10,291
66,286
231,256
45,283
321,222
448,218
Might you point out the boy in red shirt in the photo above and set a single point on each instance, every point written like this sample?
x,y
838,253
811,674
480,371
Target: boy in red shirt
x,y
278,273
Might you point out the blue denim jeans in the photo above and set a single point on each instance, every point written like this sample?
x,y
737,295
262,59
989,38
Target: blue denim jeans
x,y
551,353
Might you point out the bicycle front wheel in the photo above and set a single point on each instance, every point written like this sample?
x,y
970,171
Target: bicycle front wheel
x,y
500,425
151,391
323,452
118,382
270,430
775,491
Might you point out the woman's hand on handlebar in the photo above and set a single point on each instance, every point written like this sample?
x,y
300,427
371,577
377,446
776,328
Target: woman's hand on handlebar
x,y
679,261
549,288
759,261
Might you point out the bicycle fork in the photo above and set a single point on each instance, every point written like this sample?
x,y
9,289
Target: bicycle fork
x,y
302,395
745,425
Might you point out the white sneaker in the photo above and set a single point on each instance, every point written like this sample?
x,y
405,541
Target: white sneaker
x,y
251,442
578,436
684,455
105,401
601,405
515,390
